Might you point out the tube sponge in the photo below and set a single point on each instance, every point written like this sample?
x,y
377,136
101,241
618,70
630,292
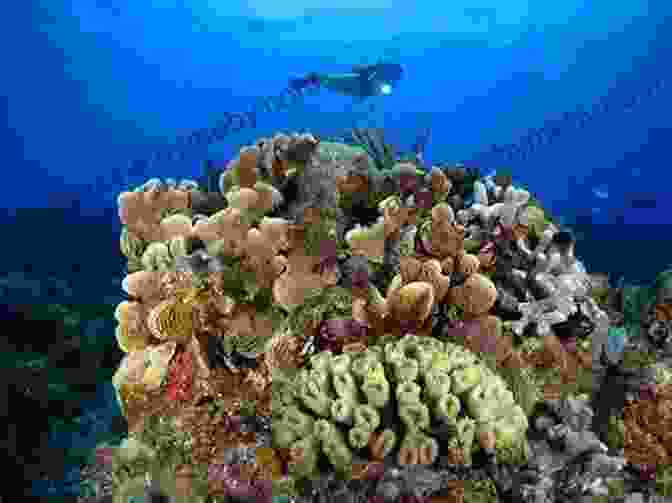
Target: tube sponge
x,y
364,364
405,370
437,384
408,392
303,457
315,398
415,416
359,437
447,408
462,395
465,379
341,411
466,430
300,423
376,391
340,364
366,417
345,386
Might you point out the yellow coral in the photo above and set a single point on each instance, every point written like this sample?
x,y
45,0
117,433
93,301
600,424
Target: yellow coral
x,y
128,343
412,301
129,332
376,375
172,319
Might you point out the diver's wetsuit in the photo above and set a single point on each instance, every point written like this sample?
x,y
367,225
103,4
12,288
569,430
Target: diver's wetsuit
x,y
362,82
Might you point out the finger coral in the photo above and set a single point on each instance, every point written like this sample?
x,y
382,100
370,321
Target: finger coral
x,y
144,285
141,210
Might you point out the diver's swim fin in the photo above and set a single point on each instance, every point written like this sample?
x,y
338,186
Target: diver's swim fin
x,y
309,80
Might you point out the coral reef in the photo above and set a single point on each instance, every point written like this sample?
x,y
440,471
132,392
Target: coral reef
x,y
336,321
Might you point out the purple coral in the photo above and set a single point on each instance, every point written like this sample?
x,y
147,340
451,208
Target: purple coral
x,y
423,199
328,254
570,344
407,326
104,456
360,279
238,487
647,392
408,182
333,331
647,473
232,424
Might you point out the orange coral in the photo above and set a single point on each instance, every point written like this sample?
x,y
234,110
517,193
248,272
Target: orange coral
x,y
647,437
439,182
143,284
141,211
408,456
285,351
663,312
247,167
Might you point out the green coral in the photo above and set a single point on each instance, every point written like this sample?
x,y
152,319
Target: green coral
x,y
132,247
616,433
635,301
323,230
251,345
636,359
154,453
318,305
160,256
664,480
663,375
333,406
521,380
480,491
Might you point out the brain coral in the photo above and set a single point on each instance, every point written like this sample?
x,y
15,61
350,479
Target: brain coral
x,y
393,399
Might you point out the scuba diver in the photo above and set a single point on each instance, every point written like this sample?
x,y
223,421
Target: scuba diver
x,y
365,81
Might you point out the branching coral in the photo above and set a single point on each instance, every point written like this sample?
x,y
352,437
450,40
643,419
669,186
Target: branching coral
x,y
336,406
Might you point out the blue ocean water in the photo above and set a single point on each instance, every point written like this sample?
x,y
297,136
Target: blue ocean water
x,y
575,98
